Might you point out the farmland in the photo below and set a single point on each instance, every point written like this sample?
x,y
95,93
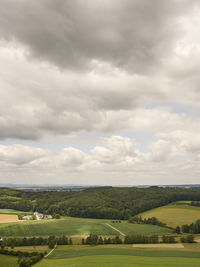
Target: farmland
x,y
120,260
118,256
145,229
76,226
7,218
64,226
8,261
174,214
11,211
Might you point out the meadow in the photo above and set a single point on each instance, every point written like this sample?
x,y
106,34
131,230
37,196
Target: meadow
x,y
8,261
174,214
64,226
76,226
144,229
118,256
11,211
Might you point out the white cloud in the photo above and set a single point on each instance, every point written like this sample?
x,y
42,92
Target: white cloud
x,y
69,77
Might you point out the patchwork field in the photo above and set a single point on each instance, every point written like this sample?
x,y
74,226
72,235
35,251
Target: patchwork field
x,y
8,261
144,229
117,257
174,214
7,218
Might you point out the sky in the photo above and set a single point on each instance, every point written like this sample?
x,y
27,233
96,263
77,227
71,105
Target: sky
x,y
100,92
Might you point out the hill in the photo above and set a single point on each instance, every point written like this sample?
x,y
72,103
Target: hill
x,y
102,202
76,226
174,214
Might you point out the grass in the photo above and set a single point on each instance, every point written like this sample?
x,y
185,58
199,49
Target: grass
x,y
64,226
120,260
174,214
62,252
32,248
8,261
76,226
15,212
143,229
117,256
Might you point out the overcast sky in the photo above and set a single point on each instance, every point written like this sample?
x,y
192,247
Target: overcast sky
x,y
100,92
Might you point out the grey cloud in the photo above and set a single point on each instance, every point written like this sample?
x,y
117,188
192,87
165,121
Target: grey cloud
x,y
134,35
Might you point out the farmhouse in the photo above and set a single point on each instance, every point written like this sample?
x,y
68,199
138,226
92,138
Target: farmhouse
x,y
40,216
27,217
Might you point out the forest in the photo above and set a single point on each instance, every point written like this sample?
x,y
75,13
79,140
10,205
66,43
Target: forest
x,y
100,202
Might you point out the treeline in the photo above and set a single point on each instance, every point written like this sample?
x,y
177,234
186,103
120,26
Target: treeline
x,y
98,240
141,239
135,239
25,259
195,203
103,202
193,228
151,220
35,241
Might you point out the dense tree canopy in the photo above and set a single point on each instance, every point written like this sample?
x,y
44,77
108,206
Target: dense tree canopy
x,y
101,202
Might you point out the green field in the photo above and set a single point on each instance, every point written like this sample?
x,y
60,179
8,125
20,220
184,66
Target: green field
x,y
15,212
143,229
121,256
63,226
75,226
174,214
31,248
8,261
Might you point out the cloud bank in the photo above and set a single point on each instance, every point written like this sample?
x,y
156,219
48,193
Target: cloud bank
x,y
120,77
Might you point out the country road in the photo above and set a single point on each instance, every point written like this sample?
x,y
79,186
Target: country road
x,y
50,251
115,229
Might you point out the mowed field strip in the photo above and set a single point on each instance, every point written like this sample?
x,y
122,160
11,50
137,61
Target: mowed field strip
x,y
174,214
109,256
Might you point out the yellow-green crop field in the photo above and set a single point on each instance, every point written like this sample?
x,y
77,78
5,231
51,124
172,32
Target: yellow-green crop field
x,y
174,214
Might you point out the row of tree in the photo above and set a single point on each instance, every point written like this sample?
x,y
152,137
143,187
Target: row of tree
x,y
134,239
193,228
98,240
195,203
25,259
35,241
151,220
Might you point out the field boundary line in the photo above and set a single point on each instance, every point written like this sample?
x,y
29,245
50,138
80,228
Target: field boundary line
x,y
50,251
115,229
